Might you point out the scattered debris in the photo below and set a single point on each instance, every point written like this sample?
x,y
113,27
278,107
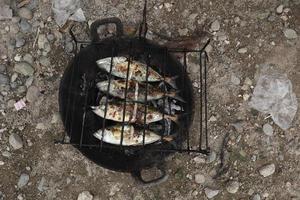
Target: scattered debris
x,y
67,10
267,170
273,95
20,104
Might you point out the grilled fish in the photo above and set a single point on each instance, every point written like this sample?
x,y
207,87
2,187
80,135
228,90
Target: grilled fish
x,y
137,70
131,136
135,91
114,111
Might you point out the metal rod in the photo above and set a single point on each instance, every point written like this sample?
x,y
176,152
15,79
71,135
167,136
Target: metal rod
x,y
201,100
164,96
185,66
84,108
205,98
107,92
125,93
146,98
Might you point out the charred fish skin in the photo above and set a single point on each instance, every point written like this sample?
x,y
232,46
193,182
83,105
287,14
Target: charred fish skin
x,y
137,70
131,136
117,89
115,111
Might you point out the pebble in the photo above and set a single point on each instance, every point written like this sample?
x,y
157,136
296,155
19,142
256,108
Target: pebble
x,y
43,43
1,163
183,32
4,80
85,195
215,26
13,77
290,33
15,141
32,94
20,41
25,13
25,26
199,160
69,47
268,129
243,50
256,197
2,68
267,170
17,57
28,58
235,80
24,68
44,61
42,185
233,187
199,178
210,193
6,154
23,180
29,81
212,119
279,9
212,157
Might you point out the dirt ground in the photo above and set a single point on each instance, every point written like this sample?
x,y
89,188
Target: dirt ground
x,y
246,36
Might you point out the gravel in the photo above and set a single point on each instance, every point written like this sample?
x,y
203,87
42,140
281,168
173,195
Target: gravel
x,y
256,197
15,141
199,178
268,129
28,58
279,9
211,193
25,13
290,33
44,61
267,170
233,187
2,68
23,180
4,80
20,41
24,68
25,26
215,26
242,50
85,195
32,94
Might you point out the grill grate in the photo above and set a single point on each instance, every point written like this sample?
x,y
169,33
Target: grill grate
x,y
203,146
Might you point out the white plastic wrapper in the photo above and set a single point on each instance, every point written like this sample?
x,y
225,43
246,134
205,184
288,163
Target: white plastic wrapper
x,y
67,9
273,95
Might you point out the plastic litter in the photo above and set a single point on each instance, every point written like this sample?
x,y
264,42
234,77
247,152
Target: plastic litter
x,y
20,104
273,95
67,10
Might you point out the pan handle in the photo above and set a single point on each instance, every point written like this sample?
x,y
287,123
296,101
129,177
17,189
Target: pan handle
x,y
100,22
138,176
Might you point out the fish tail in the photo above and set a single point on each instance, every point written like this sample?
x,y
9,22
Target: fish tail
x,y
175,95
171,81
173,118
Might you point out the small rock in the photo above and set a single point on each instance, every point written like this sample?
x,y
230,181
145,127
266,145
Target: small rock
x,y
248,81
17,57
14,77
212,119
215,26
28,58
23,180
199,160
85,195
15,141
24,68
42,185
6,154
279,9
246,97
32,94
4,80
243,50
212,157
199,178
236,19
43,43
45,61
183,32
29,81
2,68
69,47
235,80
11,103
25,26
1,163
41,126
268,129
210,193
5,13
25,13
290,33
256,197
267,170
55,118
50,37
20,41
233,187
